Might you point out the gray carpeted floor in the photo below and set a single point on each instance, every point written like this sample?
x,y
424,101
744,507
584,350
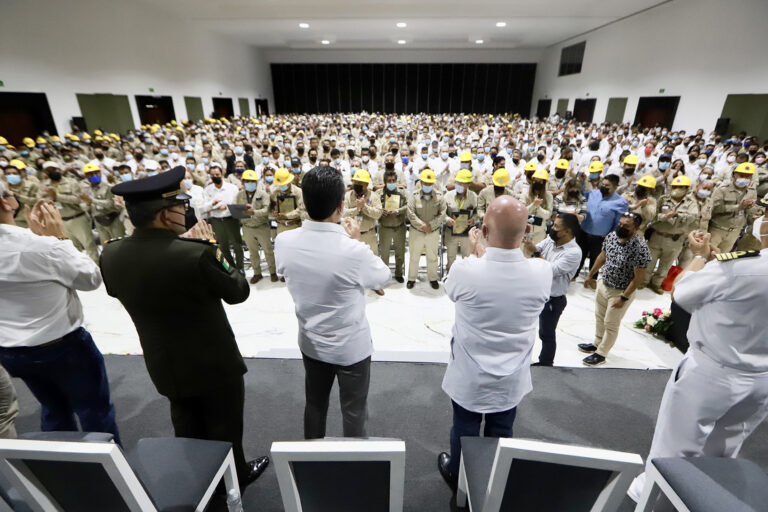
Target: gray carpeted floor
x,y
607,408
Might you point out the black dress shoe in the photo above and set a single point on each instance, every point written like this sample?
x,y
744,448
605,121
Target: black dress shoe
x,y
541,364
594,360
257,467
443,460
587,348
410,284
256,278
273,278
435,284
399,279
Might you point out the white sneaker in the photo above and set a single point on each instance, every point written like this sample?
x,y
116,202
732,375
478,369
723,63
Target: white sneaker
x,y
636,489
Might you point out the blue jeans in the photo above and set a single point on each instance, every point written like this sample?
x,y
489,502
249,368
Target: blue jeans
x,y
68,378
548,319
467,423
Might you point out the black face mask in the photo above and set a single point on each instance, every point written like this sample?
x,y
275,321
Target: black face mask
x,y
326,148
574,193
622,232
538,186
493,155
516,160
540,158
395,150
358,189
452,155
390,166
99,155
138,156
629,171
54,175
216,180
351,153
641,192
605,190
498,190
554,235
560,173
300,151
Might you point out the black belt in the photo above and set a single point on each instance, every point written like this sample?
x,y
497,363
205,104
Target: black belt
x,y
74,216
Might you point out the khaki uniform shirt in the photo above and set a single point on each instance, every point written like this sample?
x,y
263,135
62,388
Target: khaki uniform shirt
x,y
685,220
67,196
453,204
259,201
726,199
486,196
294,217
647,212
370,212
393,221
102,201
426,210
705,213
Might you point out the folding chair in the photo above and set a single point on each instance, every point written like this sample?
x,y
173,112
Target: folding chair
x,y
524,475
341,475
76,471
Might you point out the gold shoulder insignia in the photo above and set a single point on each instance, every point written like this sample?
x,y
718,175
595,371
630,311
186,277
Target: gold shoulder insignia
x,y
200,241
113,240
730,256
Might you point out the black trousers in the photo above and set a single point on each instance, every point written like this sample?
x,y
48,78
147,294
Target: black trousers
x,y
227,231
548,319
215,417
354,381
592,246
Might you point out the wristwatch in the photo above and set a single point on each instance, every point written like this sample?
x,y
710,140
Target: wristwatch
x,y
625,299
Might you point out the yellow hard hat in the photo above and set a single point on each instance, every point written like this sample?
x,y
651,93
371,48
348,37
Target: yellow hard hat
x,y
596,166
17,164
250,175
680,181
427,176
98,138
530,166
55,138
631,160
541,174
98,132
41,140
283,176
650,181
179,128
3,140
88,168
562,164
67,135
86,136
745,168
362,175
173,122
464,176
466,156
74,138
29,142
501,177
115,136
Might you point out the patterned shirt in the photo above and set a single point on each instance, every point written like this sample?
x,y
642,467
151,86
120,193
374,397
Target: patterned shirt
x,y
622,258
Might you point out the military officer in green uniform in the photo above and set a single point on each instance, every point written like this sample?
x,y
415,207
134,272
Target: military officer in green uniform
x,y
173,287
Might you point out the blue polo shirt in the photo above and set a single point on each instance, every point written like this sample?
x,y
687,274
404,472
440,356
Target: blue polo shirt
x,y
603,214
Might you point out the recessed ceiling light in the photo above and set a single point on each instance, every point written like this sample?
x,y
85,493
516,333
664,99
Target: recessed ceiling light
x,y
303,25
501,24
325,41
479,41
401,41
402,25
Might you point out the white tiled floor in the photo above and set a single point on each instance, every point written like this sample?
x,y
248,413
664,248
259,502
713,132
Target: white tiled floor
x,y
407,325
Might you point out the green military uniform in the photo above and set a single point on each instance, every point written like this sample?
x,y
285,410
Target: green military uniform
x,y
486,197
366,217
392,229
173,289
669,235
727,217
454,206
77,223
293,218
105,212
26,192
423,211
256,230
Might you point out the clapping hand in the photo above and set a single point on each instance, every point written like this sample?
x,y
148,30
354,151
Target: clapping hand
x,y
44,219
201,230
475,244
699,244
528,247
351,226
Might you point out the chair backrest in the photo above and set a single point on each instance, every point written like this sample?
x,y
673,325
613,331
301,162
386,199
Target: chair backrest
x,y
341,475
72,476
534,475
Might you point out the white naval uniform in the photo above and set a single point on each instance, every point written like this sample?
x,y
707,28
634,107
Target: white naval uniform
x,y
718,394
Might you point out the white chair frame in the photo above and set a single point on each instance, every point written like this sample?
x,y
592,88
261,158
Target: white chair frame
x,y
108,455
654,485
624,467
392,451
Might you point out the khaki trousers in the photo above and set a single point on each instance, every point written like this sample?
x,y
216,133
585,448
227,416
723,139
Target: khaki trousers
x,y
9,406
664,251
256,237
749,243
452,244
79,231
607,317
419,240
114,230
388,236
723,239
369,238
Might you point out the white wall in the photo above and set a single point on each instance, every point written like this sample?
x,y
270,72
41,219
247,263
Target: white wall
x,y
400,55
121,47
700,50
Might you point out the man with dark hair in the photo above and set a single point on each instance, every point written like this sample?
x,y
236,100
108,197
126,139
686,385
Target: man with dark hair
x,y
564,254
327,270
394,200
604,208
173,287
624,258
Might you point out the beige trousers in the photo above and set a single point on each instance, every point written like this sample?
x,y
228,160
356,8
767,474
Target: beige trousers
x,y
607,317
722,239
417,241
388,237
79,231
369,238
664,251
452,244
260,237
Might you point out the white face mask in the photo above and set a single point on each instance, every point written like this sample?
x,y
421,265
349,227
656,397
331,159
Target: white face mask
x,y
756,228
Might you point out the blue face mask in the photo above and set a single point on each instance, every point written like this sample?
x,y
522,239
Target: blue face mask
x,y
31,172
480,157
191,167
392,186
13,179
190,154
75,144
594,175
426,189
205,160
283,188
188,184
164,152
265,160
509,151
95,179
42,146
250,186
269,179
126,177
24,153
239,170
460,189
296,170
239,150
2,148
128,157
152,173
337,161
663,166
405,159
148,140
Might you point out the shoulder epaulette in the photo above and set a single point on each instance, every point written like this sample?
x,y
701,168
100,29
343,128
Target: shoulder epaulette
x,y
114,240
730,256
200,241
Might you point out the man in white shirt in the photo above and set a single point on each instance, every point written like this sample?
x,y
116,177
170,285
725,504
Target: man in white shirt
x,y
42,340
327,270
564,254
217,198
140,163
488,371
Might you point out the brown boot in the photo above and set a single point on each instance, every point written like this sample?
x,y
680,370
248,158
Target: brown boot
x,y
273,278
256,278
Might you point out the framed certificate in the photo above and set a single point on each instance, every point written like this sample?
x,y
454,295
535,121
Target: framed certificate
x,y
461,222
392,202
286,204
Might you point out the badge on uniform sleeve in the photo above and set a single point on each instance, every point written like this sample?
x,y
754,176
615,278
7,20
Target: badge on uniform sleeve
x,y
220,257
730,256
